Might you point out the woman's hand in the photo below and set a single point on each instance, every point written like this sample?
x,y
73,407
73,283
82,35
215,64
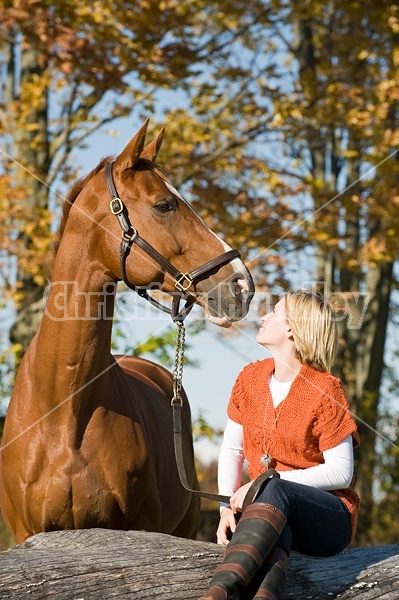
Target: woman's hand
x,y
227,525
237,499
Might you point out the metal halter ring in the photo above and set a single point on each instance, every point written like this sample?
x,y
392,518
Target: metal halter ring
x,y
180,285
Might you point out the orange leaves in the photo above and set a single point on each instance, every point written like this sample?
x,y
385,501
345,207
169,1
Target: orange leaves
x,y
18,224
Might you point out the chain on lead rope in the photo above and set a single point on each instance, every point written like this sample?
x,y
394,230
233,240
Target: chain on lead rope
x,y
178,364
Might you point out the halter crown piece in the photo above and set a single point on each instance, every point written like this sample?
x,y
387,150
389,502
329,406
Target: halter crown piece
x,y
183,281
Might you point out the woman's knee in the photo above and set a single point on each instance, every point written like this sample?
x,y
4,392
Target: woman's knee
x,y
273,492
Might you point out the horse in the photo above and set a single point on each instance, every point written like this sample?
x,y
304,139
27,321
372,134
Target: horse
x,y
88,437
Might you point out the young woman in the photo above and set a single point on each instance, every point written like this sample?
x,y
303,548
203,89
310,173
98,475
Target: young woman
x,y
289,414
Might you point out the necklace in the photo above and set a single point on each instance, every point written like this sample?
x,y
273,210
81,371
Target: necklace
x,y
266,460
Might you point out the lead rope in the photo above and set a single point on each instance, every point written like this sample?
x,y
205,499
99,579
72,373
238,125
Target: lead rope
x,y
177,405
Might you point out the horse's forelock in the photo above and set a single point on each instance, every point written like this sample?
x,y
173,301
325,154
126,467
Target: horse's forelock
x,y
144,164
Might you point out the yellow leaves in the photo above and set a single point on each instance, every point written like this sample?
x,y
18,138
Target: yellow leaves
x,y
277,121
374,251
364,54
296,113
387,87
393,22
359,118
31,127
32,91
350,153
87,10
352,263
246,217
24,233
391,138
201,428
318,184
274,180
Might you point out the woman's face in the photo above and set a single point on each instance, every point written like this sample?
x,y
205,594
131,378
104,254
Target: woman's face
x,y
274,327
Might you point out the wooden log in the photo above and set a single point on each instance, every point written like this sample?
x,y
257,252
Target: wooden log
x,y
97,564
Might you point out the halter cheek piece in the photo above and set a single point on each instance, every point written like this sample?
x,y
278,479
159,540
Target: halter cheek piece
x,y
183,281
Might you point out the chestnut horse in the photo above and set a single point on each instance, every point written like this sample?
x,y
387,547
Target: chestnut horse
x,y
88,438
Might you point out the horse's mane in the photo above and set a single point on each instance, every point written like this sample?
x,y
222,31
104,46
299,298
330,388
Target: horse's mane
x,y
74,192
66,208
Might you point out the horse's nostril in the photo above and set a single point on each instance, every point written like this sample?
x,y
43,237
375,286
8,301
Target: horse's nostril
x,y
240,286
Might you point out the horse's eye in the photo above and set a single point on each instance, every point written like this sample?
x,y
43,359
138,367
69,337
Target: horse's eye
x,y
164,206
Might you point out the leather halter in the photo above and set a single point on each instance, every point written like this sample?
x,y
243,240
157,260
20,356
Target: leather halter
x,y
183,281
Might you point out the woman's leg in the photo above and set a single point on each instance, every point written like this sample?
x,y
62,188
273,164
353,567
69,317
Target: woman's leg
x,y
269,582
256,535
318,524
317,521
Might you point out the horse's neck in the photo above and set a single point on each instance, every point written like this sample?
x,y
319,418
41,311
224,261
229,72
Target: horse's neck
x,y
73,343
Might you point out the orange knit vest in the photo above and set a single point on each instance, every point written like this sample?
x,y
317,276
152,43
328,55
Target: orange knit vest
x,y
314,417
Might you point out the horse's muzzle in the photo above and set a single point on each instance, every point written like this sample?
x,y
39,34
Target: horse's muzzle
x,y
227,301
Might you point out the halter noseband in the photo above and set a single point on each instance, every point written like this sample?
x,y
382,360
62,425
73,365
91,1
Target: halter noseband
x,y
183,281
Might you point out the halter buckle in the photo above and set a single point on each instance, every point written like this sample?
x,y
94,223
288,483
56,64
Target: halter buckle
x,y
116,206
130,235
183,282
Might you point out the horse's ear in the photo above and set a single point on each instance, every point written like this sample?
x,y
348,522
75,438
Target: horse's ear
x,y
131,153
152,149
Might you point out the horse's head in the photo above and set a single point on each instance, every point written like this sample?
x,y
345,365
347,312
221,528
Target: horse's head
x,y
152,211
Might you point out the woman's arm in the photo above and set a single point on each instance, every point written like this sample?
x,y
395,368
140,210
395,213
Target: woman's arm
x,y
231,459
335,474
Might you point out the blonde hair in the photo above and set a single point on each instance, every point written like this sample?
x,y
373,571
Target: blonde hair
x,y
314,328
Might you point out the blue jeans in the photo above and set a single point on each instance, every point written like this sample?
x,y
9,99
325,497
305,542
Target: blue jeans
x,y
318,523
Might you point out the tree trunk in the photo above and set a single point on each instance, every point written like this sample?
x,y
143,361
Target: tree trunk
x,y
100,563
366,347
31,151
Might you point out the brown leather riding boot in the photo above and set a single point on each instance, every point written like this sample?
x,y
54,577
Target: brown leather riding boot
x,y
273,572
255,537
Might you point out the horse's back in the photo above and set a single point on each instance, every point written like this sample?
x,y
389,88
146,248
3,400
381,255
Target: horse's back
x,y
152,374
146,371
